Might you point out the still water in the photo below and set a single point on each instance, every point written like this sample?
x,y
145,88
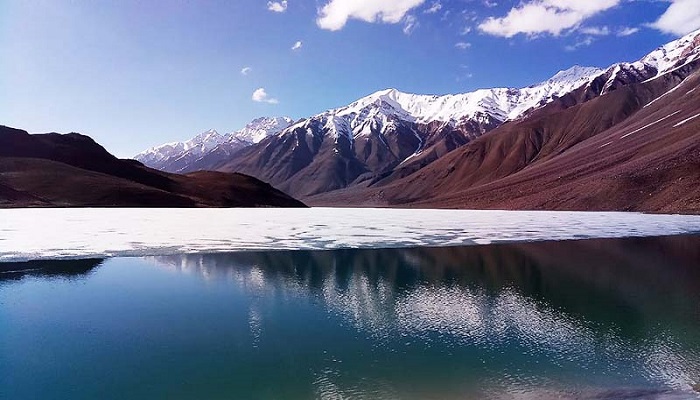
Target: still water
x,y
608,318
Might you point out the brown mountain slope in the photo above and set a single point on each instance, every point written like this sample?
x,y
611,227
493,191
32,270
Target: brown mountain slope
x,y
309,159
72,170
609,153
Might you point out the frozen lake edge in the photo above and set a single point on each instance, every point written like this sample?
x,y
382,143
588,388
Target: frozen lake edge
x,y
68,233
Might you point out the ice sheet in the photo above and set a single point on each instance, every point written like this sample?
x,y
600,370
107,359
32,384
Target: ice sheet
x,y
28,234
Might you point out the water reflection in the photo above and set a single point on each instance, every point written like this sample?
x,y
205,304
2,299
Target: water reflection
x,y
68,269
532,318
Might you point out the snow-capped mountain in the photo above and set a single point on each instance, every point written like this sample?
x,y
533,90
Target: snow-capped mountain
x,y
494,106
483,108
176,156
390,134
198,145
674,54
663,60
260,128
499,103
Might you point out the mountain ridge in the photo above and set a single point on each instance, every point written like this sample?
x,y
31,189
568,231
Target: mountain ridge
x,y
175,156
634,149
390,136
501,103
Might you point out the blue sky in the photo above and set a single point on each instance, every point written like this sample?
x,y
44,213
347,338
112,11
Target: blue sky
x,y
133,74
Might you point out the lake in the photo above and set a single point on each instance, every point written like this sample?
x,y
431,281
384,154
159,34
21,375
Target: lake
x,y
600,318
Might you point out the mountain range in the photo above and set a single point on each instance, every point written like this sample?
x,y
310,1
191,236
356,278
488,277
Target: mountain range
x,y
184,156
626,137
622,138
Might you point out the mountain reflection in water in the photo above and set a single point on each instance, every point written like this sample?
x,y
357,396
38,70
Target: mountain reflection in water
x,y
604,318
635,301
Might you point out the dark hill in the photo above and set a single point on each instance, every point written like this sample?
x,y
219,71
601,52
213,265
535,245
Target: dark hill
x,y
73,170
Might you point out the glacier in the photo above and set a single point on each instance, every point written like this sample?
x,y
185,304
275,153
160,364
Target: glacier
x,y
45,233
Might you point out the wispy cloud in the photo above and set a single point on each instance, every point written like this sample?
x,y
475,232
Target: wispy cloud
x,y
277,6
463,73
587,41
246,70
463,45
595,30
410,24
605,31
681,17
627,31
297,45
553,17
261,96
437,6
336,13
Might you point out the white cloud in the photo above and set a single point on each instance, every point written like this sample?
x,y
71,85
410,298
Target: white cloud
x,y
463,45
261,96
545,16
297,45
277,6
596,30
336,13
410,24
434,8
246,70
626,31
681,17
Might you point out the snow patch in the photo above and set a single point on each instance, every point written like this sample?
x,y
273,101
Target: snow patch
x,y
686,120
650,124
665,94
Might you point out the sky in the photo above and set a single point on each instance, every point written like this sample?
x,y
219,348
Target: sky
x,y
133,74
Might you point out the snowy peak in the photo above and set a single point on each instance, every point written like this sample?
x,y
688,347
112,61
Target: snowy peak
x,y
486,106
499,104
260,128
663,60
574,76
205,141
390,110
674,54
206,135
175,156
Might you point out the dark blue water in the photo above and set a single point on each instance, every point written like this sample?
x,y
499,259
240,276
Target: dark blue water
x,y
583,319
